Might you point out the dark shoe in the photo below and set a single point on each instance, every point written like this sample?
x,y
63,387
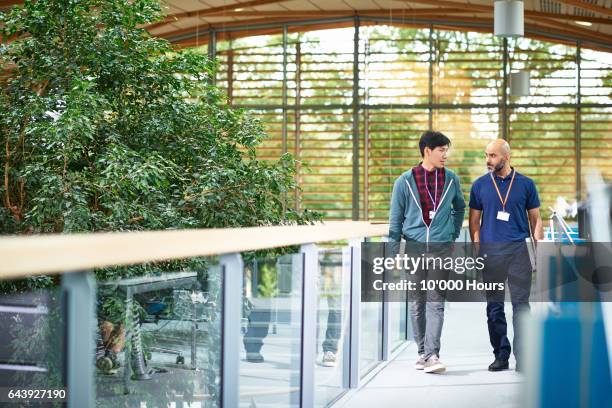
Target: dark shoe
x,y
498,365
254,357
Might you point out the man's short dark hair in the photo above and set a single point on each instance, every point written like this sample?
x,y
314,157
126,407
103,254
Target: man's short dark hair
x,y
432,139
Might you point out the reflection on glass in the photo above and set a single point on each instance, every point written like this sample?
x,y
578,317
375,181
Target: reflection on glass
x,y
371,336
333,300
158,339
371,325
397,312
271,328
31,344
397,317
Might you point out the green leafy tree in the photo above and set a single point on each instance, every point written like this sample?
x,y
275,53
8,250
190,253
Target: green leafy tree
x,y
105,128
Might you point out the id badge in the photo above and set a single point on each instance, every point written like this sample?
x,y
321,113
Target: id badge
x,y
431,214
503,216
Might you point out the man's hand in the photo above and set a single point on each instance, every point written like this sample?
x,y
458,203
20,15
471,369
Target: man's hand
x,y
535,222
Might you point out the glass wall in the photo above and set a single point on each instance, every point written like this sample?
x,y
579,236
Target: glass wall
x,y
355,138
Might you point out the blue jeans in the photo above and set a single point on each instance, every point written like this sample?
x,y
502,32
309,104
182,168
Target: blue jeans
x,y
427,312
334,318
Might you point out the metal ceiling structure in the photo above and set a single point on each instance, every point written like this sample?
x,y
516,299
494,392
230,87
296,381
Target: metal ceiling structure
x,y
587,21
190,22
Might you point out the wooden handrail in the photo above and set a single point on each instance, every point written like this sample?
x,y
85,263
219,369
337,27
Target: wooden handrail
x,y
59,253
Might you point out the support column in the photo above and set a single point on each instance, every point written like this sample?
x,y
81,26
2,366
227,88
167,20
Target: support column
x,y
356,121
212,50
284,93
230,74
578,124
366,133
504,110
431,64
284,109
297,113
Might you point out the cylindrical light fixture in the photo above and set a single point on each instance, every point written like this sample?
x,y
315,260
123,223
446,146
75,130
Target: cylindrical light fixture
x,y
508,18
519,83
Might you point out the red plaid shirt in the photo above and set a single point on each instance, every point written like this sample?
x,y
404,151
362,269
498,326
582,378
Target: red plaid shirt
x,y
427,204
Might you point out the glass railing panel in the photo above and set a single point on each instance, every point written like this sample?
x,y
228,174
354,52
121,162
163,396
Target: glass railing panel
x,y
32,341
271,331
333,311
158,335
371,326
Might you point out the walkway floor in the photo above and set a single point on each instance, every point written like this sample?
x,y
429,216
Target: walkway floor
x,y
467,383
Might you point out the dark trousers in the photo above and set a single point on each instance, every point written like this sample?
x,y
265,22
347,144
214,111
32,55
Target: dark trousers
x,y
257,330
515,268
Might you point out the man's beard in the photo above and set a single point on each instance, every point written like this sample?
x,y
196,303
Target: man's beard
x,y
500,165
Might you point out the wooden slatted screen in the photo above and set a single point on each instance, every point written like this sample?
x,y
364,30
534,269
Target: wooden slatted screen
x,y
396,107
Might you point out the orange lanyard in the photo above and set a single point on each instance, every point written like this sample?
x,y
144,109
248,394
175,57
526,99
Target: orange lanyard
x,y
503,201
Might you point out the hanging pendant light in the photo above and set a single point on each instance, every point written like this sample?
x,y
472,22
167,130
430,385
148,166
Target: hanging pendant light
x,y
508,18
519,83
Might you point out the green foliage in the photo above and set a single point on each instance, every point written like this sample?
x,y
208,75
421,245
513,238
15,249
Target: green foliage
x,y
104,128
268,282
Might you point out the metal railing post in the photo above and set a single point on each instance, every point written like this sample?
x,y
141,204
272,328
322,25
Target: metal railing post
x,y
355,313
310,258
386,324
232,276
80,292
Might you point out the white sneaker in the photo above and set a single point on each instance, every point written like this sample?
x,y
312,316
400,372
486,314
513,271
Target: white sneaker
x,y
329,359
420,364
433,365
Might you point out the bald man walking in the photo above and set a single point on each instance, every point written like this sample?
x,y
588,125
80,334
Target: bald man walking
x,y
504,205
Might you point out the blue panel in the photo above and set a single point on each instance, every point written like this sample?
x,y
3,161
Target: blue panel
x,y
562,362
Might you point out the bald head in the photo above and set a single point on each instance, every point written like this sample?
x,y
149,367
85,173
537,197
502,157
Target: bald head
x,y
497,153
500,146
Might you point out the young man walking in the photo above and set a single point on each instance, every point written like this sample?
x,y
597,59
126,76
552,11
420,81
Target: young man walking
x,y
504,206
427,206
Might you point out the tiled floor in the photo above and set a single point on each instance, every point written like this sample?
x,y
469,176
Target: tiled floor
x,y
467,382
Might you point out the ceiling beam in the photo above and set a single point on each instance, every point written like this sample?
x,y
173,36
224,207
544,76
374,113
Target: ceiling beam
x,y
9,3
317,13
327,13
473,7
534,13
396,12
208,26
203,39
588,6
213,10
577,32
546,24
